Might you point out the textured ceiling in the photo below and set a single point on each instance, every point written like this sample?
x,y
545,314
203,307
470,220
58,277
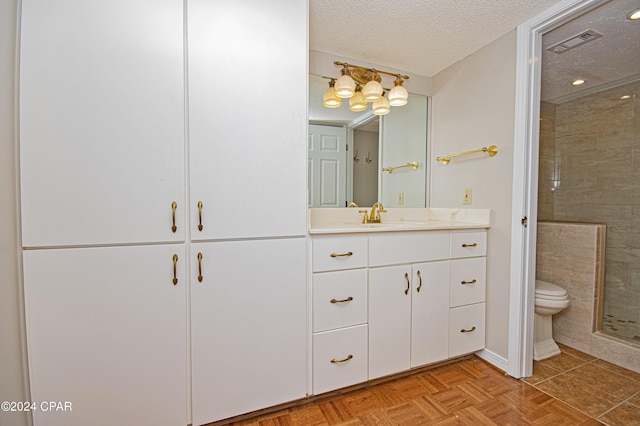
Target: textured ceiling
x,y
602,62
418,36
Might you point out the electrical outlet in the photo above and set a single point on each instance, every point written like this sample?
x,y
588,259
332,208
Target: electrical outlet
x,y
466,200
400,198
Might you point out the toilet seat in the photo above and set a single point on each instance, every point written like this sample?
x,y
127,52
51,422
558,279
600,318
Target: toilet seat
x,y
548,291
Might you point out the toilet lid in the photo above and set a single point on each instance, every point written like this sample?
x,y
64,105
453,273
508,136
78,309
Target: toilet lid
x,y
544,288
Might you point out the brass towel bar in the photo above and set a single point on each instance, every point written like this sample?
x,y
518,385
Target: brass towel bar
x,y
492,151
413,165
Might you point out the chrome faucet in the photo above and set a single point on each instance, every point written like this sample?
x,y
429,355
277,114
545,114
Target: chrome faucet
x,y
374,215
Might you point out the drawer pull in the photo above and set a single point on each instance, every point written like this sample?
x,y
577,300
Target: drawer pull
x,y
470,245
335,361
406,276
341,254
348,299
469,282
420,284
468,331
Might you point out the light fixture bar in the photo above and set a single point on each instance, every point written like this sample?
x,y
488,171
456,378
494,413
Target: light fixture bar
x,y
370,70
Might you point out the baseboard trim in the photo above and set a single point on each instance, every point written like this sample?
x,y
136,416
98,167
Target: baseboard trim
x,y
493,359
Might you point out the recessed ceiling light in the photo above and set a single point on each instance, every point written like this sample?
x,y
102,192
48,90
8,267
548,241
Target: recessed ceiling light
x,y
634,16
578,82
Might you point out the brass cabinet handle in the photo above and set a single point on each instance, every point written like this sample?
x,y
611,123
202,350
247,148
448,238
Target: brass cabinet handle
x,y
470,245
341,254
174,206
406,276
200,216
175,273
469,282
348,299
335,361
468,331
200,267
420,283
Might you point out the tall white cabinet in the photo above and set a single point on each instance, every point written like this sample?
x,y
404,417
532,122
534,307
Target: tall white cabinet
x,y
152,154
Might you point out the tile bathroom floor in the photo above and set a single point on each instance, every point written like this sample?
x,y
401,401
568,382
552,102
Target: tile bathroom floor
x,y
602,390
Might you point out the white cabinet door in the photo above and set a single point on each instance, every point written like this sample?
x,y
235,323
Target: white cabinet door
x,y
249,326
247,117
430,313
389,320
101,121
107,332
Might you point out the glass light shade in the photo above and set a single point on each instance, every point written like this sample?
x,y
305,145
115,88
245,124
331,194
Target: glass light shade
x,y
372,91
381,106
357,102
329,98
398,96
345,86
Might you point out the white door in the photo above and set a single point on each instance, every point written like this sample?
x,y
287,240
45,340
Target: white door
x,y
247,133
389,320
327,166
101,121
430,313
107,332
249,326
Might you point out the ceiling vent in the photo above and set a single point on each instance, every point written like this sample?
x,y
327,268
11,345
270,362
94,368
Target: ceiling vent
x,y
575,41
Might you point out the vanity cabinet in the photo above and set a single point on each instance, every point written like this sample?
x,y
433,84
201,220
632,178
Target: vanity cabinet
x,y
425,299
339,312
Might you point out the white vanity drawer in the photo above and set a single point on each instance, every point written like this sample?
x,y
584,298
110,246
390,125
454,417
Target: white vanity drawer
x,y
339,358
468,244
468,281
466,329
396,248
332,254
339,299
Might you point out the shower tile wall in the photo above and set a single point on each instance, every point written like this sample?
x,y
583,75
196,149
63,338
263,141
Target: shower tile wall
x,y
590,172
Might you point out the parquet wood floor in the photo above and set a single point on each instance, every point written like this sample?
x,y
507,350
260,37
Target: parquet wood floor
x,y
467,392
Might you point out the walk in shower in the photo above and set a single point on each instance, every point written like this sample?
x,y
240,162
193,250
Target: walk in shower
x,y
590,147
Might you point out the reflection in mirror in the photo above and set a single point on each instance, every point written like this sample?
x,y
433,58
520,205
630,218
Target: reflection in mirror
x,y
347,151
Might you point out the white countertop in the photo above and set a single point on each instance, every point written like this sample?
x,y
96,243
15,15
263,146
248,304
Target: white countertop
x,y
348,220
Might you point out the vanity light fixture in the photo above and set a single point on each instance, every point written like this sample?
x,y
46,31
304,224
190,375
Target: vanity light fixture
x,y
357,102
329,98
361,85
345,86
634,15
398,96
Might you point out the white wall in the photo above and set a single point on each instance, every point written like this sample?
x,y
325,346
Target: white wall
x,y
12,386
473,107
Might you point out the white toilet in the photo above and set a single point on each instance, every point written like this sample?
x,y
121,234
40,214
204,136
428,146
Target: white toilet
x,y
550,299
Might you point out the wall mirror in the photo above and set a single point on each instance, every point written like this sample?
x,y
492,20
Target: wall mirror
x,y
348,151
